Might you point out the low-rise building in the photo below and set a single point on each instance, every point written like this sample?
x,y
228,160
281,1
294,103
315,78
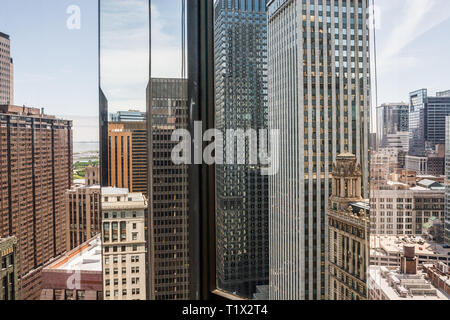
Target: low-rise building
x,y
77,275
406,282
387,250
124,245
439,275
398,209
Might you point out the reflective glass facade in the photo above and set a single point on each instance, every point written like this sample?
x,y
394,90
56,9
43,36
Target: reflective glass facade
x,y
241,103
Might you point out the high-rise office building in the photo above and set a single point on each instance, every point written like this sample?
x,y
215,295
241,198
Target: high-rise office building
x,y
168,220
427,121
123,241
319,99
139,163
349,232
120,155
392,118
6,71
83,218
242,209
8,269
35,172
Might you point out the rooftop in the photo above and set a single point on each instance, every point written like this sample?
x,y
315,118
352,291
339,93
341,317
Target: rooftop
x,y
87,257
399,286
395,244
4,35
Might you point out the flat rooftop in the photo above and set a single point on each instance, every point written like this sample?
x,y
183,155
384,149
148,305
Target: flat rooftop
x,y
87,257
397,243
398,286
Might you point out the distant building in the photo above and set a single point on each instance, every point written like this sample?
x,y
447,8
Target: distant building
x,y
120,155
392,118
348,232
83,219
404,283
399,140
6,71
399,209
139,148
439,275
387,250
9,288
77,275
128,116
124,245
427,165
427,121
36,171
92,176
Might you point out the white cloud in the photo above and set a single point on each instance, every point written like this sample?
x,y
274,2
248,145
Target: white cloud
x,y
125,51
415,18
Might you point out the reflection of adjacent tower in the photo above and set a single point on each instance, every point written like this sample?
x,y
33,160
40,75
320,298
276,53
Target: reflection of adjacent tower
x,y
319,99
6,71
348,232
168,219
242,230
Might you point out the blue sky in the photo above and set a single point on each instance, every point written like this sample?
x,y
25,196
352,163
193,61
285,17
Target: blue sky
x,y
57,68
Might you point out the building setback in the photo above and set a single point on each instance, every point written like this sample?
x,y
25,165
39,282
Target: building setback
x,y
242,204
168,220
8,269
6,71
77,275
35,172
319,99
83,218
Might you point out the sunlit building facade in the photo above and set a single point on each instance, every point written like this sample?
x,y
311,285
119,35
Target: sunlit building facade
x,y
319,99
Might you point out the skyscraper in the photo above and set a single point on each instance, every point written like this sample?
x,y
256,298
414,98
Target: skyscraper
x,y
241,103
427,121
139,164
120,155
392,118
319,99
168,220
6,71
35,172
